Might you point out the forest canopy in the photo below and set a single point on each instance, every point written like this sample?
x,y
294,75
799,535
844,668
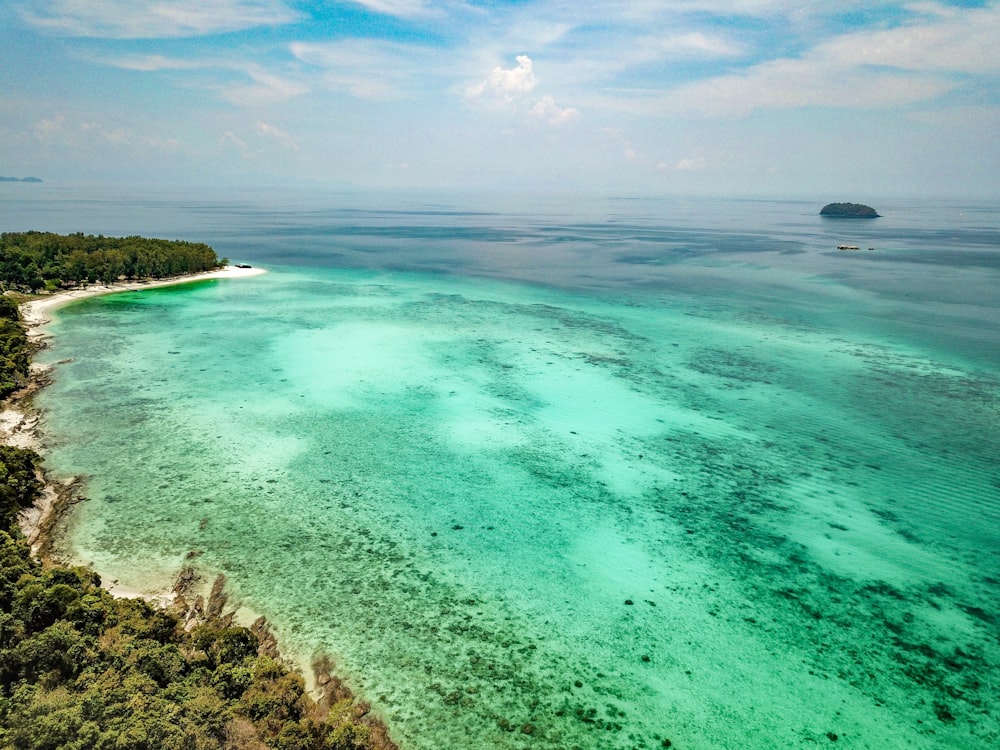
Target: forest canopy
x,y
33,261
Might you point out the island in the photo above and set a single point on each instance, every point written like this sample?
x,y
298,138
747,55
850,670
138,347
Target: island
x,y
849,211
19,179
43,261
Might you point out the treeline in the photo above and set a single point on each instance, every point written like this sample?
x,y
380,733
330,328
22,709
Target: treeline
x,y
33,261
13,348
81,670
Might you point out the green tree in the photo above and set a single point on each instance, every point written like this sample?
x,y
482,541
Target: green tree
x,y
19,483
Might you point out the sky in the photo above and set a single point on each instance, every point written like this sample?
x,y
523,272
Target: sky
x,y
747,97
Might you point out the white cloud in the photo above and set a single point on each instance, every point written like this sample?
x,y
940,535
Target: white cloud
x,y
510,89
863,70
260,85
653,9
954,42
267,88
230,138
506,84
547,110
153,63
793,84
451,94
619,141
117,136
931,9
369,69
400,8
586,45
692,44
604,60
59,131
47,128
270,131
690,164
153,19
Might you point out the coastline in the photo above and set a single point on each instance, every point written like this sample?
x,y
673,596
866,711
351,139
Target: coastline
x,y
34,312
190,594
19,421
195,596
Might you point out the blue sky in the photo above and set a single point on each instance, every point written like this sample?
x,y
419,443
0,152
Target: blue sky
x,y
717,96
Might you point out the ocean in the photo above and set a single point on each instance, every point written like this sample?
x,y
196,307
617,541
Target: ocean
x,y
556,471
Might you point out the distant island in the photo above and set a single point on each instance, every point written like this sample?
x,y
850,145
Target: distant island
x,y
849,211
19,179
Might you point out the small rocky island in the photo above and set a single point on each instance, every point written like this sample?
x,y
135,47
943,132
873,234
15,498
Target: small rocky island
x,y
849,211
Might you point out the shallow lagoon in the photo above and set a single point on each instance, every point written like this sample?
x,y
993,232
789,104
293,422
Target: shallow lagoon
x,y
590,478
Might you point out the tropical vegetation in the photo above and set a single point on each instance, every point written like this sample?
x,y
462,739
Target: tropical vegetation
x,y
33,261
13,348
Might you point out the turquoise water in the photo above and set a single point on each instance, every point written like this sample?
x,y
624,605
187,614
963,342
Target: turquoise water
x,y
595,476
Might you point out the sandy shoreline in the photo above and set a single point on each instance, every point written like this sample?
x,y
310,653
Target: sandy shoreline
x,y
19,421
19,426
34,313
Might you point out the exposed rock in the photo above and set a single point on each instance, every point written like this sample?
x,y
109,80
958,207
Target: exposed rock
x,y
267,643
191,611
217,599
334,691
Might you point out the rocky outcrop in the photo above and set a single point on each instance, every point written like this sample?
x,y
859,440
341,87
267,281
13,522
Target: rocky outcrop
x,y
849,211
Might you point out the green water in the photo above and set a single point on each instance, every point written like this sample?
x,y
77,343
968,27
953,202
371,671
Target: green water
x,y
518,517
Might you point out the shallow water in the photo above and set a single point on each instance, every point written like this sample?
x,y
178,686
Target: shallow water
x,y
596,475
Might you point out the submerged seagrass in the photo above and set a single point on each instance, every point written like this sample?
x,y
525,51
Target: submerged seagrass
x,y
704,485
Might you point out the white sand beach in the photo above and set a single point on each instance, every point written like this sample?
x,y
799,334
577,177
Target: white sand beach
x,y
34,313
